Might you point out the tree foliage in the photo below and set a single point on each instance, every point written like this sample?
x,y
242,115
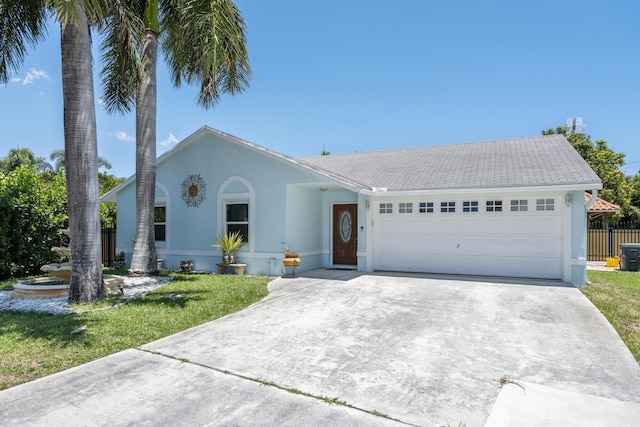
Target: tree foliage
x,y
23,156
34,208
606,163
33,202
108,210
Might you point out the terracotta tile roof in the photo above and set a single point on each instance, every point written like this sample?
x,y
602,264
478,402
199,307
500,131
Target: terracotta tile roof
x,y
600,205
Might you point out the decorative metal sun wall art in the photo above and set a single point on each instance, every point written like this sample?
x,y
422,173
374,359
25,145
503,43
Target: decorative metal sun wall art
x,y
194,190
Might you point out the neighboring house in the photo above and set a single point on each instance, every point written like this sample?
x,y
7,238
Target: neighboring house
x,y
600,209
501,208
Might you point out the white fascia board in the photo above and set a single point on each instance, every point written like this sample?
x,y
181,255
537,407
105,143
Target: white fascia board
x,y
490,190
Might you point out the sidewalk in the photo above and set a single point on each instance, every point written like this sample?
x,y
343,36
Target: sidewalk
x,y
600,266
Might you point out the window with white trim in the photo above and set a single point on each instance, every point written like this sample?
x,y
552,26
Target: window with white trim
x,y
469,206
447,206
386,208
405,208
519,206
426,207
544,205
237,219
494,206
160,223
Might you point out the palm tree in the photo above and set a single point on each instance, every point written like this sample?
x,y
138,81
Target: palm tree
x,y
58,157
22,23
203,42
81,154
23,156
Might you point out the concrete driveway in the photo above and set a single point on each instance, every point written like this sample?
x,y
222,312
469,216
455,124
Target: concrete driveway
x,y
420,350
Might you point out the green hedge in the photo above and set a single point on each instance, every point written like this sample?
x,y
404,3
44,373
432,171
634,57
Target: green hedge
x,y
33,206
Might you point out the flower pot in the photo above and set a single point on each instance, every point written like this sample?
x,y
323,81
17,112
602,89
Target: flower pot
x,y
291,255
186,266
291,262
228,259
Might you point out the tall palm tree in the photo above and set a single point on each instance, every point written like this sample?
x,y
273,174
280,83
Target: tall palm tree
x,y
23,23
81,157
203,42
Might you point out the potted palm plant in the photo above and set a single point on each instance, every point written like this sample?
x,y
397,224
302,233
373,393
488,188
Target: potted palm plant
x,y
230,243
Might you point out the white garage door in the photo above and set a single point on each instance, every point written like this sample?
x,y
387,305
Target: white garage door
x,y
518,238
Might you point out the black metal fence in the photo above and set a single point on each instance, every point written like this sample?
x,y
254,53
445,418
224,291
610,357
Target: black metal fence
x,y
108,246
603,239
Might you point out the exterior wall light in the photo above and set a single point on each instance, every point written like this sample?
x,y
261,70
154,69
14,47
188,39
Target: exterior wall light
x,y
568,199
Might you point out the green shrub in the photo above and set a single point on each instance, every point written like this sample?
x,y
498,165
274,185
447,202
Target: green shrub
x,y
33,207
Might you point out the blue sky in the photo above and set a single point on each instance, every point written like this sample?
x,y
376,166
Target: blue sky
x,y
389,75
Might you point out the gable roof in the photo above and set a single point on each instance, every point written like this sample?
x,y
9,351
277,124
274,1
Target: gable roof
x,y
322,175
522,162
547,160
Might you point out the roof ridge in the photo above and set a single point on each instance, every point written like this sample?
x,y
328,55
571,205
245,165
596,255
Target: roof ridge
x,y
456,144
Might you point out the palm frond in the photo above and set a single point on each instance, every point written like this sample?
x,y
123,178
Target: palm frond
x,y
122,31
66,11
22,25
204,43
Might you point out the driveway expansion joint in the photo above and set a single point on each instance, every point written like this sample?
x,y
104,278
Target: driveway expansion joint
x,y
325,399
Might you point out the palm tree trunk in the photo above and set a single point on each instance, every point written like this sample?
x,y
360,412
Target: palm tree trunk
x,y
144,260
81,148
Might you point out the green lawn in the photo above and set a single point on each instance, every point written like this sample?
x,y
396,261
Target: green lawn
x,y
617,296
34,345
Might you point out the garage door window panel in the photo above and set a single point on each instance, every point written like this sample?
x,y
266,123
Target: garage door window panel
x,y
469,206
405,208
494,206
426,207
386,208
519,206
447,207
545,205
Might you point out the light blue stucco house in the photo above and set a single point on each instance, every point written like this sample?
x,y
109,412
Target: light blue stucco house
x,y
499,208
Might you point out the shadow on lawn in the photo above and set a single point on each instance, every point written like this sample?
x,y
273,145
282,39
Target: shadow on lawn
x,y
41,326
176,298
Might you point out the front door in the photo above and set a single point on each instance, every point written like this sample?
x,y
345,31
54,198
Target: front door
x,y
345,234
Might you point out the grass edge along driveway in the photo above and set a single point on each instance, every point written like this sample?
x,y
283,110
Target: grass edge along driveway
x,y
34,345
617,295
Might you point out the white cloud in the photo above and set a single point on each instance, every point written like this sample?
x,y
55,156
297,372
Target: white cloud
x,y
171,140
122,136
32,76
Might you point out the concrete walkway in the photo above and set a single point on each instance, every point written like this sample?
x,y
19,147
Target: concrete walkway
x,y
339,348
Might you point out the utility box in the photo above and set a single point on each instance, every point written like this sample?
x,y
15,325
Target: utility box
x,y
629,256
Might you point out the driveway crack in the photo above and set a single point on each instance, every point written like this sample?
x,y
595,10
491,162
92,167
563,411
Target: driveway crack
x,y
325,399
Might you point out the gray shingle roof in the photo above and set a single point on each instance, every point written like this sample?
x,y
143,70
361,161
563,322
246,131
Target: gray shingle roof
x,y
520,162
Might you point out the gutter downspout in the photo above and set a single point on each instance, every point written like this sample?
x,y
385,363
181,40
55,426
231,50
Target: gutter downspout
x,y
594,196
